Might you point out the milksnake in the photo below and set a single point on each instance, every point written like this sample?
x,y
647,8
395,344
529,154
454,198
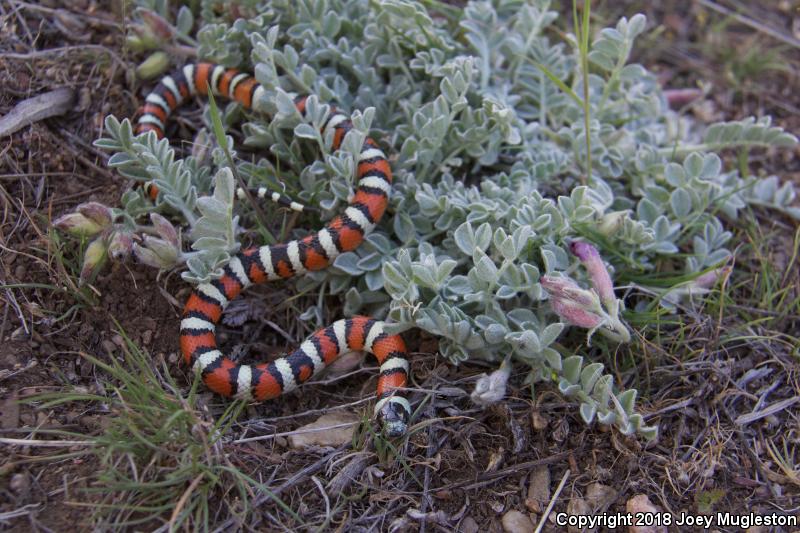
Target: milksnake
x,y
268,263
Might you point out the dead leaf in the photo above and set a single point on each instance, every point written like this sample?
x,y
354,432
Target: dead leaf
x,y
343,364
495,460
332,429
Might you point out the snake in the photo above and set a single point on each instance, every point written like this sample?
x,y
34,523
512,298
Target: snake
x,y
343,233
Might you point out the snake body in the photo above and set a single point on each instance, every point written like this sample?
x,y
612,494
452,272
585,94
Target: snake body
x,y
343,233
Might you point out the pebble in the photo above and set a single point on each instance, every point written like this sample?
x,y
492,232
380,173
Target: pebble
x,y
20,483
517,522
578,506
600,496
538,495
641,504
108,346
469,525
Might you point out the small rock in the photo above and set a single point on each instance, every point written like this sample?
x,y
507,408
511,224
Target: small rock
x,y
108,346
469,525
94,422
641,504
42,419
599,497
9,412
578,506
147,337
517,522
538,489
20,483
326,433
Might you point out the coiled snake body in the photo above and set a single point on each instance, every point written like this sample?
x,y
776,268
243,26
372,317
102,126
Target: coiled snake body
x,y
343,233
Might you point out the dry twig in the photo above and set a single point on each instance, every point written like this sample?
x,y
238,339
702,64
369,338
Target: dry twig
x,y
26,112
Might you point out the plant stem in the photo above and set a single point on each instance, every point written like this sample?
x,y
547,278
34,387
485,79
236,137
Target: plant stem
x,y
584,52
707,147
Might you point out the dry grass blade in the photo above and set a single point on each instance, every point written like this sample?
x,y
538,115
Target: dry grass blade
x,y
756,25
772,409
182,501
22,511
45,443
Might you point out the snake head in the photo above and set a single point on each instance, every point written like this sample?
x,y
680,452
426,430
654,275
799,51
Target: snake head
x,y
394,413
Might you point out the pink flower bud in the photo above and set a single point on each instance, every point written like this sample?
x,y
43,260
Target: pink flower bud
x,y
575,315
78,225
159,26
709,279
165,228
94,256
97,213
566,289
594,265
681,97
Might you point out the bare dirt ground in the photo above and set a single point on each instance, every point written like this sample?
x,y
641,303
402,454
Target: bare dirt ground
x,y
470,466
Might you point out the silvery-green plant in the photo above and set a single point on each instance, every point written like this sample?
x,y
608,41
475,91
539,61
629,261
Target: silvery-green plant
x,y
504,151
